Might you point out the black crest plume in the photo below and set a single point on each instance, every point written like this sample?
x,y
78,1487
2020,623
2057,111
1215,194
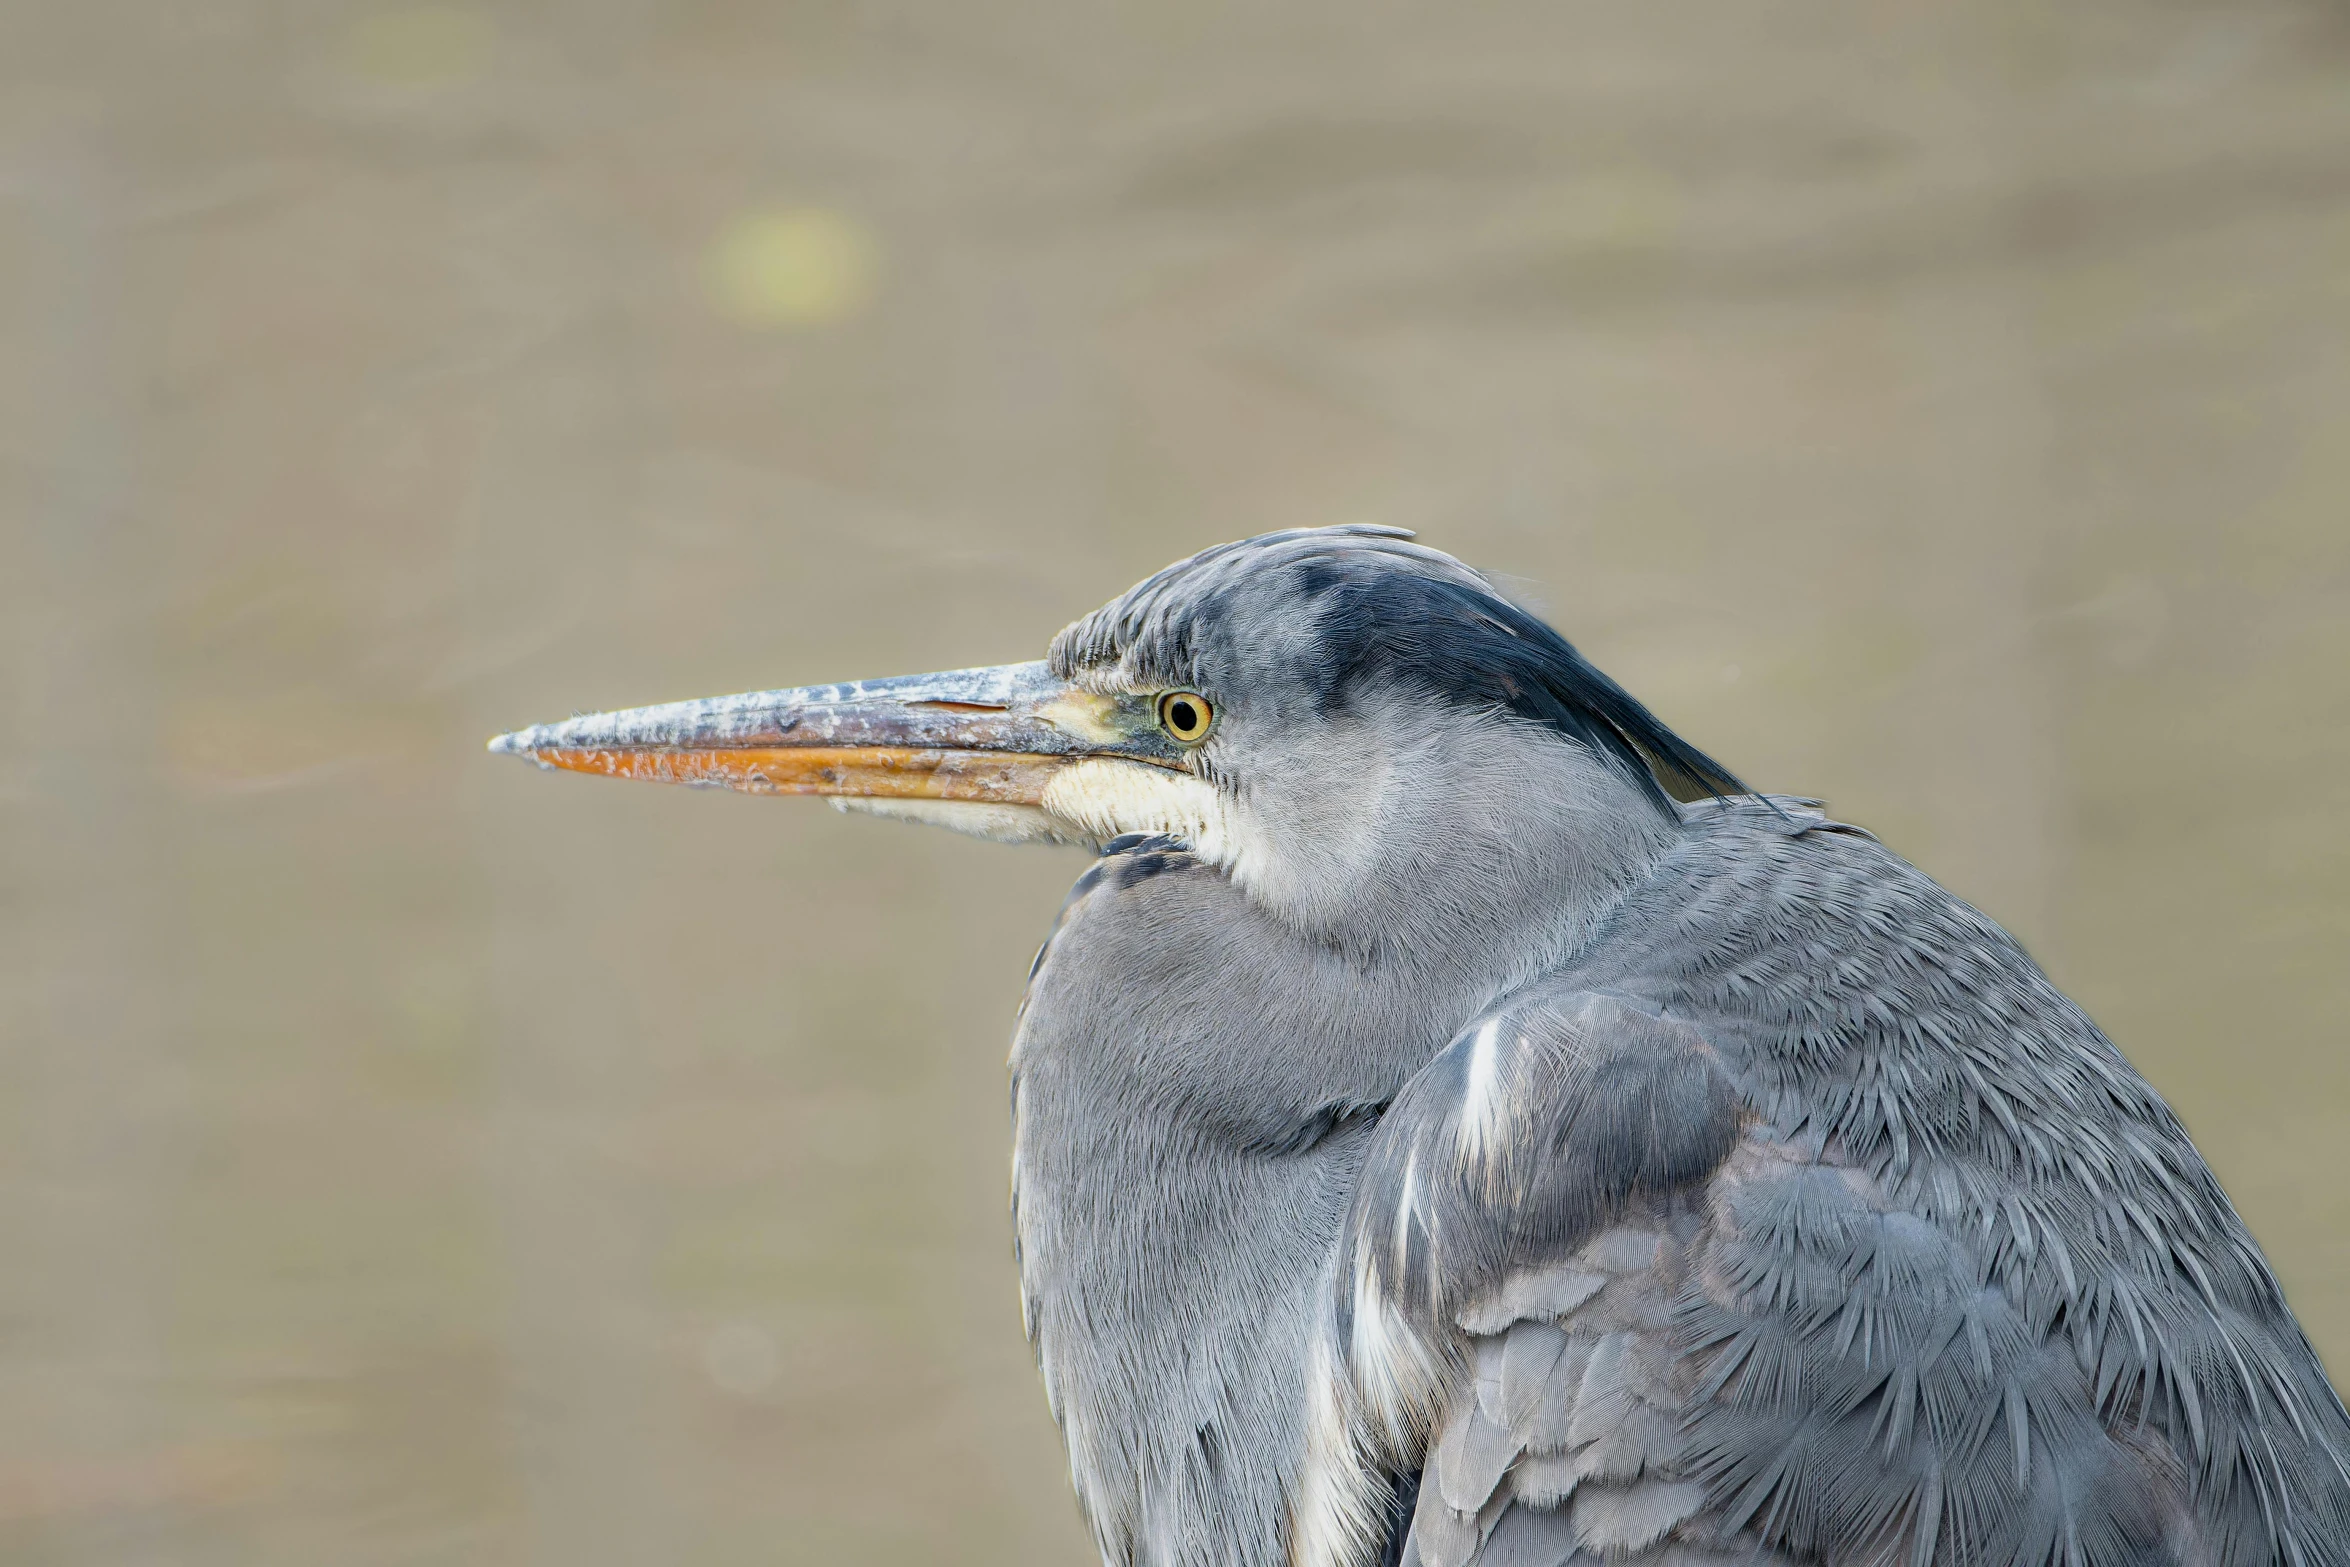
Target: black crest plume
x,y
1468,643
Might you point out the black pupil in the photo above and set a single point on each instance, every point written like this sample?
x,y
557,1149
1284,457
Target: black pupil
x,y
1183,716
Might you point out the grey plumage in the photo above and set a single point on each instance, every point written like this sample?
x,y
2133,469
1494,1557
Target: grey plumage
x,y
1957,1291
1433,1143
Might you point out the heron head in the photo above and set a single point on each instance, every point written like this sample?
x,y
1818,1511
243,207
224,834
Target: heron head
x,y
1338,718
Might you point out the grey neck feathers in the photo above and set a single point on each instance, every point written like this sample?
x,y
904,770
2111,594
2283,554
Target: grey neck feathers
x,y
1412,836
1199,1062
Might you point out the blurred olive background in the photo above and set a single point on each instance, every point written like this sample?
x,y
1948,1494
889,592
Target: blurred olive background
x,y
407,1157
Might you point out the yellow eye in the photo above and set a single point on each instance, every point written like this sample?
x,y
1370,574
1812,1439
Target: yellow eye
x,y
1185,715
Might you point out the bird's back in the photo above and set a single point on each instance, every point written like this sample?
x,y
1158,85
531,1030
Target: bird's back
x,y
1802,1216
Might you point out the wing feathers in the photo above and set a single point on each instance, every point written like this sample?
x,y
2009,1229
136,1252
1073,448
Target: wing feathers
x,y
1530,1352
1471,1458
1534,1292
1515,1215
1637,1321
1525,1538
1617,1519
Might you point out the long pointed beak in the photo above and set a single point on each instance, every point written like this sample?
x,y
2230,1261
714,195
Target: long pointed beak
x,y
996,736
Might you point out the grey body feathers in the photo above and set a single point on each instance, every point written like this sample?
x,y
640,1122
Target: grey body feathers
x,y
1888,1255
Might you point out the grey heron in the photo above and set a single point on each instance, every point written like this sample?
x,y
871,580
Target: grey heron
x,y
1456,1121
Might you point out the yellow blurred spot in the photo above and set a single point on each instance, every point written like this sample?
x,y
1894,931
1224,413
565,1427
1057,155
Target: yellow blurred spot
x,y
423,47
796,267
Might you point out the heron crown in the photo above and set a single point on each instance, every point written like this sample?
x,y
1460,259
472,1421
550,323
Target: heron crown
x,y
1316,617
